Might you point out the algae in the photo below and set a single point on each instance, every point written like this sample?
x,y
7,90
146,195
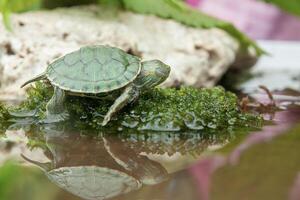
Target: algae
x,y
156,110
3,112
4,116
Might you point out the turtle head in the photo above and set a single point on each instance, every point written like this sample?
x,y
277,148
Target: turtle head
x,y
154,72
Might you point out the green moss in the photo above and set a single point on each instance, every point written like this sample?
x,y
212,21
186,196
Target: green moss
x,y
3,113
159,109
4,116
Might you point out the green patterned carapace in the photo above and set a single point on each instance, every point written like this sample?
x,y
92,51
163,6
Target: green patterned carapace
x,y
96,71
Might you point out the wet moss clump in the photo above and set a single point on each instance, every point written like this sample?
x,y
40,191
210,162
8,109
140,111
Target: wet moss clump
x,y
4,117
158,109
3,113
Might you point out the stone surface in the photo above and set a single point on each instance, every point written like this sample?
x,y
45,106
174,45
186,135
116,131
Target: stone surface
x,y
198,57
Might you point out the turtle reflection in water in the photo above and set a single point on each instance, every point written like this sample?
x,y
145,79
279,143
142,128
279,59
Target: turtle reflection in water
x,y
94,168
97,72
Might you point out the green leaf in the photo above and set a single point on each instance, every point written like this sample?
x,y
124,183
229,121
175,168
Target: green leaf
x,y
8,6
179,11
290,6
19,5
6,19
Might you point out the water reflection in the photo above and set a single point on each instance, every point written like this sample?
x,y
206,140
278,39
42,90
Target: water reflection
x,y
95,167
135,165
170,165
100,165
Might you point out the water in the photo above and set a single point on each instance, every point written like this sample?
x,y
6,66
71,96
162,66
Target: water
x,y
61,162
95,165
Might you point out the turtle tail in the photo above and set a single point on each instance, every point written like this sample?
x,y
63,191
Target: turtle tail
x,y
36,78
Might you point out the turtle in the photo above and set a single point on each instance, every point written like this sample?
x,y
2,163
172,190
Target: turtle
x,y
96,71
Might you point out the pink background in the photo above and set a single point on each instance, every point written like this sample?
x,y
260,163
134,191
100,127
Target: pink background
x,y
257,19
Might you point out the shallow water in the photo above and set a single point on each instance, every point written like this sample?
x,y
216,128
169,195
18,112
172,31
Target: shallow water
x,y
61,162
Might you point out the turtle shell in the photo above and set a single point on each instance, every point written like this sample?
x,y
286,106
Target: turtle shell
x,y
94,69
91,182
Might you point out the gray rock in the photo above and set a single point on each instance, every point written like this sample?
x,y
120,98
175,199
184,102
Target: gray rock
x,y
199,57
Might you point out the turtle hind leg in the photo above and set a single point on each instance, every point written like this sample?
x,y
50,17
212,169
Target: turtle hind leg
x,y
37,78
55,109
129,95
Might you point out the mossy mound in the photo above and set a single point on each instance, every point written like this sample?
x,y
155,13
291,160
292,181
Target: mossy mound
x,y
158,109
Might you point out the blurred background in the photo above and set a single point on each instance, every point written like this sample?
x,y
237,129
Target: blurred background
x,y
258,19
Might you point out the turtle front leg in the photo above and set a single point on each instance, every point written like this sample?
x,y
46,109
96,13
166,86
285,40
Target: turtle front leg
x,y
55,109
130,94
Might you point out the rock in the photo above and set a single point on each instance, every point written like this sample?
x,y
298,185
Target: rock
x,y
199,57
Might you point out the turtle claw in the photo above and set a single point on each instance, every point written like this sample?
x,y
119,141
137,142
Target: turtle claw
x,y
53,118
